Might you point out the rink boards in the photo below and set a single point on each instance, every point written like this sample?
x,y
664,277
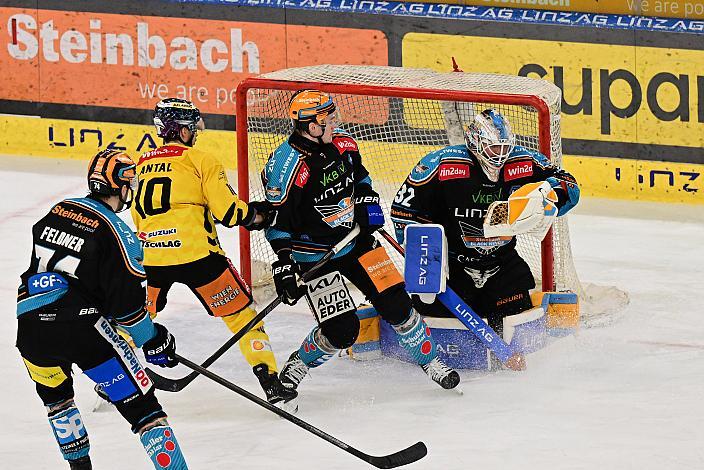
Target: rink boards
x,y
615,178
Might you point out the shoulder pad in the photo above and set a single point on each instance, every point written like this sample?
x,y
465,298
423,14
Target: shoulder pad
x,y
521,153
281,171
344,142
428,165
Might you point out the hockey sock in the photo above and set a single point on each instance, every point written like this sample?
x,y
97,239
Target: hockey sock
x,y
254,345
70,434
414,336
316,349
162,448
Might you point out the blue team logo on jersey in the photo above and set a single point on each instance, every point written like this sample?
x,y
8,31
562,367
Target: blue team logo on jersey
x,y
338,215
46,282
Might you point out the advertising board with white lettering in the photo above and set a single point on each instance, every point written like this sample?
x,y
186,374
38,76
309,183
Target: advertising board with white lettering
x,y
632,111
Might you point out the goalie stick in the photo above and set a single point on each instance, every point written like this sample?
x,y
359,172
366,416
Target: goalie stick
x,y
403,457
473,322
176,385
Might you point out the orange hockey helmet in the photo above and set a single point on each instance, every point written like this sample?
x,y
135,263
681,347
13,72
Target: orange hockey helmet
x,y
310,105
109,171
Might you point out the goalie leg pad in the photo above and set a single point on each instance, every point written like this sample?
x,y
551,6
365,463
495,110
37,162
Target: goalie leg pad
x,y
414,335
162,448
526,331
70,433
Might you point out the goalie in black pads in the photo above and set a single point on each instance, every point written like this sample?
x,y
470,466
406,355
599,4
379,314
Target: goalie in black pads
x,y
85,276
318,184
458,185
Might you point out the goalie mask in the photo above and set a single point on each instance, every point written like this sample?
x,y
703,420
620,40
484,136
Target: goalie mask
x,y
173,114
109,171
308,106
490,139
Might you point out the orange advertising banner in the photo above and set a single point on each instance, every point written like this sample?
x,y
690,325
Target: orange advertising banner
x,y
130,61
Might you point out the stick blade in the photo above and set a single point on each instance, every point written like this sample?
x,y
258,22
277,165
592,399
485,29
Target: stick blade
x,y
167,385
403,457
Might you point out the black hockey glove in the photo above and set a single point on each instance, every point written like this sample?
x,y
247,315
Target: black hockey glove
x,y
285,272
263,208
367,211
161,349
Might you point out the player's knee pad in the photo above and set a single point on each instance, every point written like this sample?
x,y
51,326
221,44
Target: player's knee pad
x,y
162,447
393,304
316,349
341,331
70,433
414,335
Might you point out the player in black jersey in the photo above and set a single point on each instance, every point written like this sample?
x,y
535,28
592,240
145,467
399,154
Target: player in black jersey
x,y
321,189
84,279
455,186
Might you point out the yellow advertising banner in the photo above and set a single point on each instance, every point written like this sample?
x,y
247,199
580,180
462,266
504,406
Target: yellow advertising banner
x,y
58,138
599,177
688,9
613,93
618,178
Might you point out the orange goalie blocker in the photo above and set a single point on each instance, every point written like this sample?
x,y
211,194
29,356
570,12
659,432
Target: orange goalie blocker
x,y
380,269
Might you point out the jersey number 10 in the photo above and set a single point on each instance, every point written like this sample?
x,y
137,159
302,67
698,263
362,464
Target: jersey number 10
x,y
146,204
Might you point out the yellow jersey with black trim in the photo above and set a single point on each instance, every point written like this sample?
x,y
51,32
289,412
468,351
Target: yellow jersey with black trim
x,y
181,192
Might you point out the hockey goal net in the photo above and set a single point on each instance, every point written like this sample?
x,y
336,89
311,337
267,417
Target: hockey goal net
x,y
398,115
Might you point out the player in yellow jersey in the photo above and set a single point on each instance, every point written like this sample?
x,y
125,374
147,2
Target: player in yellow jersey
x,y
182,192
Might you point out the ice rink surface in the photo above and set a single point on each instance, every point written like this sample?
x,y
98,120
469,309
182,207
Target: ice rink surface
x,y
629,395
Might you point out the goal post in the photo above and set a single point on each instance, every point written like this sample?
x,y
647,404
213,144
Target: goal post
x,y
398,115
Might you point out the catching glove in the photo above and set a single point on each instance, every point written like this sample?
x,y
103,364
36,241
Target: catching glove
x,y
285,272
161,349
265,210
367,211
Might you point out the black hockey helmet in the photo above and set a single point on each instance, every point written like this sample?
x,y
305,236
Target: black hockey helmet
x,y
172,114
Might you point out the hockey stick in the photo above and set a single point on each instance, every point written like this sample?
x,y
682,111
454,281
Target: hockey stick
x,y
176,385
473,322
403,457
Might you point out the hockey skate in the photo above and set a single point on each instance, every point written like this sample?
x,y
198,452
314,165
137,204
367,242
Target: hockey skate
x,y
293,371
441,374
276,393
81,464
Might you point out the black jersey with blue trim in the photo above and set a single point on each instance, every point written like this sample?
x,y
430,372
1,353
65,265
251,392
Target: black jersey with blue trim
x,y
83,242
448,187
312,186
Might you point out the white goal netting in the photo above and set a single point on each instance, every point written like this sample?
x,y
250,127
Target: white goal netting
x,y
398,115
